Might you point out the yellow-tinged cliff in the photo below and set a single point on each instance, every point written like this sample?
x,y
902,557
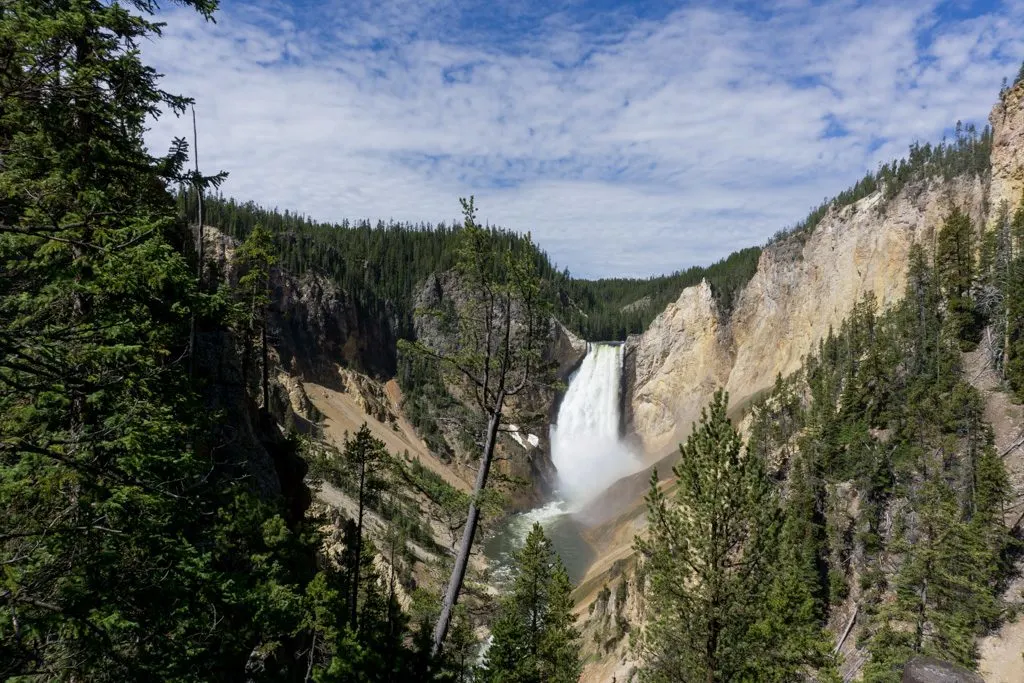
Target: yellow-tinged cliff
x,y
804,285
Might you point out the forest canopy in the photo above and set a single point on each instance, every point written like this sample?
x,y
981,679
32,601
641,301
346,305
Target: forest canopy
x,y
381,264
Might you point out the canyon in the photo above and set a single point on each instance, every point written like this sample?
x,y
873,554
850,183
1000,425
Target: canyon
x,y
336,371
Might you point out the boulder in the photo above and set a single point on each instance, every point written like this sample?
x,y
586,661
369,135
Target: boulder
x,y
931,670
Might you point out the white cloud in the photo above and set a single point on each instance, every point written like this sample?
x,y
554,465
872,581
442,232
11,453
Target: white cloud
x,y
626,146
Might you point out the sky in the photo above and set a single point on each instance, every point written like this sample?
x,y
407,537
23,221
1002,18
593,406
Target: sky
x,y
630,138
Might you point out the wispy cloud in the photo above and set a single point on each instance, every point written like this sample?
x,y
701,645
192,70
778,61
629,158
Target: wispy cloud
x,y
629,139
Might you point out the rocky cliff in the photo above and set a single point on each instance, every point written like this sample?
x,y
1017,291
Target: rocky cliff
x,y
1007,121
523,450
245,431
318,328
804,285
317,332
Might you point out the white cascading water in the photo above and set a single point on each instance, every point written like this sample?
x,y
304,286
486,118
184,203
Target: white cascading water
x,y
589,456
585,445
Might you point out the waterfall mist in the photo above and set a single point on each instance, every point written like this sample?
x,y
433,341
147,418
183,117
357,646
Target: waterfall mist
x,y
585,444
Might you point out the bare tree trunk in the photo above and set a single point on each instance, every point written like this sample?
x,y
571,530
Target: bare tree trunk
x,y
1007,279
451,596
359,547
199,191
846,631
309,663
247,352
266,370
711,649
199,246
391,607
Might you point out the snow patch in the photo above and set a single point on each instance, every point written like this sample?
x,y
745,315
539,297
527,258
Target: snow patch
x,y
531,441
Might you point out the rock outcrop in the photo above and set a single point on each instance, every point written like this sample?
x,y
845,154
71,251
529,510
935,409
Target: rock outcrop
x,y
523,452
931,670
1007,121
673,367
317,327
245,434
565,349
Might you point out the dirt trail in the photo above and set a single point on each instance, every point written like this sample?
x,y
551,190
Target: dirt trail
x,y
343,413
1001,658
1006,418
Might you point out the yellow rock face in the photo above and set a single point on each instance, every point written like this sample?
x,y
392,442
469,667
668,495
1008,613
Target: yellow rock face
x,y
1007,120
678,362
801,290
797,295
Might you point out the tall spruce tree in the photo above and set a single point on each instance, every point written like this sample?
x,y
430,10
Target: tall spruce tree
x,y
955,267
255,257
366,456
535,639
1013,298
704,554
93,414
790,634
944,587
498,320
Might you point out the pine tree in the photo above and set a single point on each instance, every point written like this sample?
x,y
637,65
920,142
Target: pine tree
x,y
255,257
954,264
458,661
790,633
1013,345
944,588
923,322
366,457
534,637
133,548
706,549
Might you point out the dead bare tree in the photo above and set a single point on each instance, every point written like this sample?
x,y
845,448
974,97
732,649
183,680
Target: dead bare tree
x,y
493,329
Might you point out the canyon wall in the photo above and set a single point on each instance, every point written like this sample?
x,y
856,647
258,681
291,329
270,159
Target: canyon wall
x,y
1007,121
804,286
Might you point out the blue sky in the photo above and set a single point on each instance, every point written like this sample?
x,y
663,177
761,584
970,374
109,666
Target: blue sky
x,y
631,138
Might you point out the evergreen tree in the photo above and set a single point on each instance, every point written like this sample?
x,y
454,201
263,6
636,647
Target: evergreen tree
x,y
255,258
922,311
344,651
790,634
535,639
885,409
944,587
133,547
1013,345
954,263
366,457
458,661
704,555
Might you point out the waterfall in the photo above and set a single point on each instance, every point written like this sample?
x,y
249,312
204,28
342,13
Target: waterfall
x,y
589,456
585,444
